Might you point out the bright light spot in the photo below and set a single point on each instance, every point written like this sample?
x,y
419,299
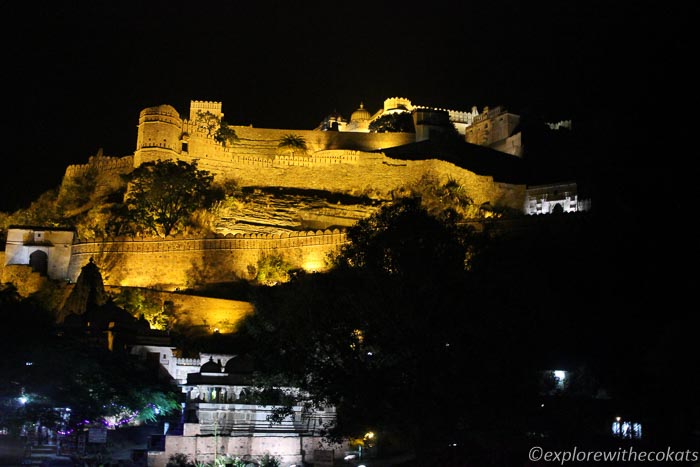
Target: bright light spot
x,y
560,376
369,435
370,353
29,363
313,263
22,400
541,405
349,457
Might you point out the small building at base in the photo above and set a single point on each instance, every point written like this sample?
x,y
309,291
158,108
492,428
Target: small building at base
x,y
225,417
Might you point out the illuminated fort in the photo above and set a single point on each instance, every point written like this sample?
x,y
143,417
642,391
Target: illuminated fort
x,y
340,157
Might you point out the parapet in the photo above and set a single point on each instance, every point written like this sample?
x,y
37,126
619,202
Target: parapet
x,y
205,106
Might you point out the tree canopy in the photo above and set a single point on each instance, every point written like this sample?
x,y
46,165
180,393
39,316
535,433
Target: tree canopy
x,y
393,123
293,143
52,370
216,127
163,194
387,335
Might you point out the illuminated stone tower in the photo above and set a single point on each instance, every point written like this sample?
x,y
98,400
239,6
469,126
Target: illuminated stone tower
x,y
159,134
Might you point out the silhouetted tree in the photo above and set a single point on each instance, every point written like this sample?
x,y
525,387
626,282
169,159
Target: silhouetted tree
x,y
393,123
399,337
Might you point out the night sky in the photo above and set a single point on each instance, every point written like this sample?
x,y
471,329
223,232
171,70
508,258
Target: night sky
x,y
77,74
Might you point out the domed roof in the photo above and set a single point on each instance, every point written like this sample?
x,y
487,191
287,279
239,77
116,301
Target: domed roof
x,y
242,364
164,109
210,367
360,114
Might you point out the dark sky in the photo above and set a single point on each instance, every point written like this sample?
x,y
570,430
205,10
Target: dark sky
x,y
77,73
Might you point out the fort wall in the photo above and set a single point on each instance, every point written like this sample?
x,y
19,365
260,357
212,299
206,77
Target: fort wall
x,y
173,263
207,313
341,162
106,170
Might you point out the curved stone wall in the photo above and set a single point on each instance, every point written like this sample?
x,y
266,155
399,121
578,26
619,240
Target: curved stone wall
x,y
169,264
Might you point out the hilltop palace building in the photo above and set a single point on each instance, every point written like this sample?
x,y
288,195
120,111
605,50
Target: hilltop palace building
x,y
340,156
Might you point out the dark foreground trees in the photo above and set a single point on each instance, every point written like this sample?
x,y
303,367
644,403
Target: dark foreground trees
x,y
44,370
400,337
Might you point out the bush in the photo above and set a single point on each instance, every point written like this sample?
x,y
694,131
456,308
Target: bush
x,y
179,460
268,460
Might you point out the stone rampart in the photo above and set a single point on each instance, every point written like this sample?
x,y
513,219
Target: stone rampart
x,y
356,173
174,263
108,171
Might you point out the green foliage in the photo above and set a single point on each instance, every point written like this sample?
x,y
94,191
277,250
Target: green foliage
x,y
393,123
404,238
179,459
225,134
268,460
207,122
293,143
94,382
163,194
272,269
77,191
216,127
400,311
442,199
44,211
139,302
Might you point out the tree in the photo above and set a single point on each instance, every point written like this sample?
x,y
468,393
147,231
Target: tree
x,y
163,194
44,211
272,269
293,143
225,134
207,122
216,127
53,370
139,302
76,192
393,123
399,336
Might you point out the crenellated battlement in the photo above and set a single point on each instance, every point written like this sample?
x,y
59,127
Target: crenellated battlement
x,y
170,263
102,164
213,107
397,102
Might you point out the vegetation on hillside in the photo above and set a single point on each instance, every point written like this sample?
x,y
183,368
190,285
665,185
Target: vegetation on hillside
x,y
293,144
393,123
216,127
162,195
390,329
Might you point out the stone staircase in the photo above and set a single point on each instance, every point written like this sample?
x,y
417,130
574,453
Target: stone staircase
x,y
38,453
